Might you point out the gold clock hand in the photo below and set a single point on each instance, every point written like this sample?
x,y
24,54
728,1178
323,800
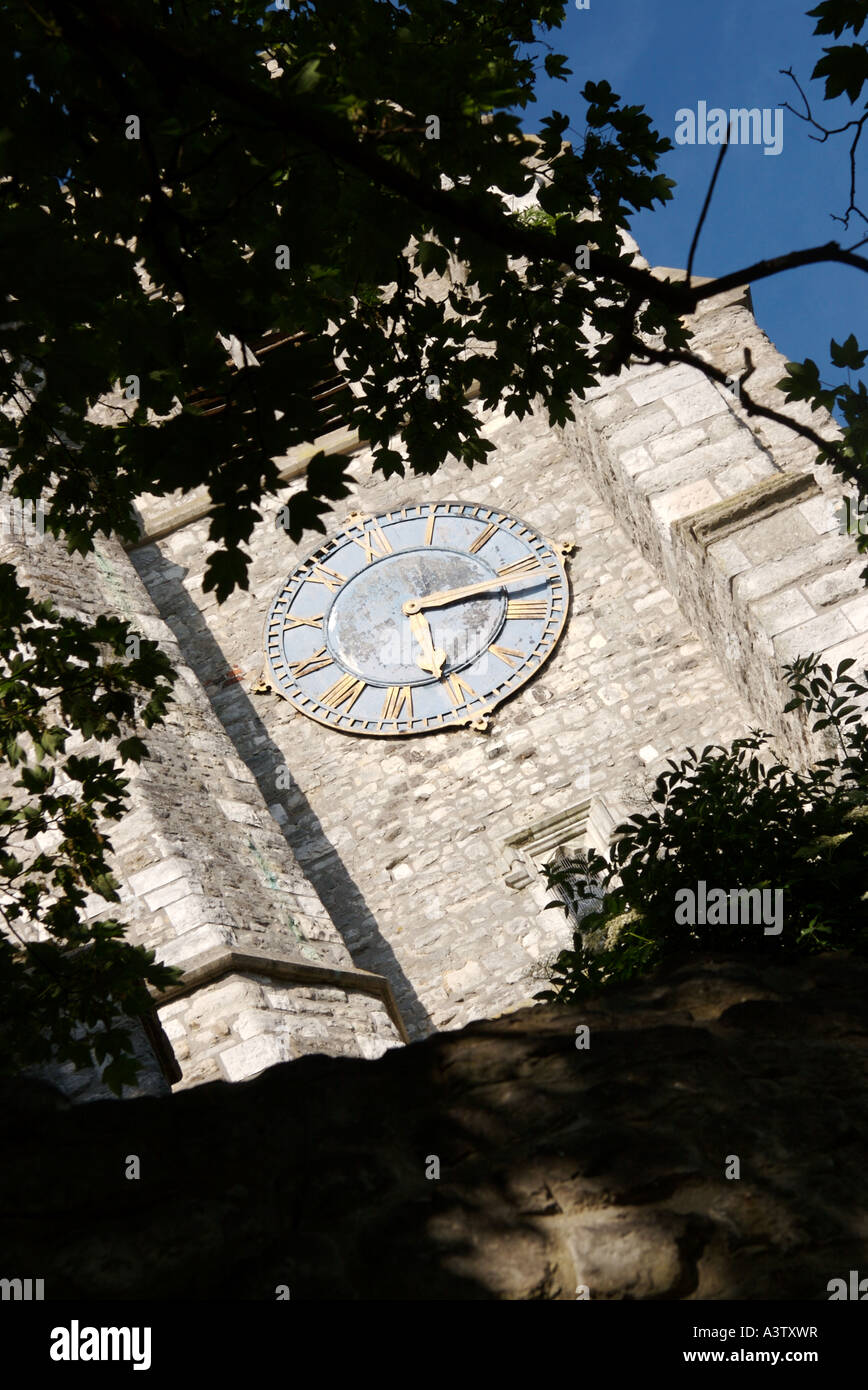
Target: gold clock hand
x,y
432,658
438,600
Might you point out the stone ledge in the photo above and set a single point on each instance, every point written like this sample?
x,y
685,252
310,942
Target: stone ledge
x,y
217,962
196,505
739,294
756,503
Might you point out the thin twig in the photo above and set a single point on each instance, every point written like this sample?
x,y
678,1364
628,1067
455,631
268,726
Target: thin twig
x,y
707,204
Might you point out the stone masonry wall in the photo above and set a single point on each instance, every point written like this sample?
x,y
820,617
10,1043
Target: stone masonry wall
x,y
405,840
732,511
203,868
237,1027
708,555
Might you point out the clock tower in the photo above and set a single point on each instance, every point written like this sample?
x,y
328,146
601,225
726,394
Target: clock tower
x,y
341,834
473,674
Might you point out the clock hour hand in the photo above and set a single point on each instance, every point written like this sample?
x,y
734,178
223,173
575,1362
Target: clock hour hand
x,y
432,658
438,600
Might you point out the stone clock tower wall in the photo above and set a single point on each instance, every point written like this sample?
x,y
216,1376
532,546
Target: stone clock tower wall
x,y
330,893
708,554
206,876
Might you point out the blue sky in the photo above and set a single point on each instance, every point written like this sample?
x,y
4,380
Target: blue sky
x,y
669,54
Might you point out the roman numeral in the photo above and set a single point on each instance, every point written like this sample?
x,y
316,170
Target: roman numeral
x,y
398,699
321,574
483,537
429,533
375,543
309,664
304,622
530,565
506,654
344,692
526,608
454,685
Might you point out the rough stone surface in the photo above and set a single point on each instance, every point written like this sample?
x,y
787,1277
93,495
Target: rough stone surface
x,y
200,860
404,839
708,555
558,1166
706,559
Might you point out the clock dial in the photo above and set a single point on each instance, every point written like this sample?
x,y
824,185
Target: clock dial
x,y
487,597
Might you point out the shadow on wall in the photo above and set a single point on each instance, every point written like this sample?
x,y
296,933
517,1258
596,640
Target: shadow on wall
x,y
668,1159
317,856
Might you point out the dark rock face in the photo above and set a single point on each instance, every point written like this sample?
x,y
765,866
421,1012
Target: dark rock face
x,y
559,1166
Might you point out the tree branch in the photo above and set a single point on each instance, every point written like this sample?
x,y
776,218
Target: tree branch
x,y
706,205
668,356
825,132
320,129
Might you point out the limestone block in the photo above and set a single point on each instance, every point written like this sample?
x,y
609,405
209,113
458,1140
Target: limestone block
x,y
777,573
814,636
679,442
783,610
855,648
240,812
821,513
459,982
641,429
222,998
839,584
727,556
740,476
191,911
191,943
170,893
775,536
158,875
664,383
606,408
251,1022
307,1031
625,1255
698,401
652,600
684,501
249,1058
857,612
372,1048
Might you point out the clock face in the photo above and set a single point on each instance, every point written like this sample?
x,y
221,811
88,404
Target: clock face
x,y
487,597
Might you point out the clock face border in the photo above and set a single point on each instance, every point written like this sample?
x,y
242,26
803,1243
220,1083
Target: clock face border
x,y
473,713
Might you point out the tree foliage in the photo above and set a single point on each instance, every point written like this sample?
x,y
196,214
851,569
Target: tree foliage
x,y
68,683
734,819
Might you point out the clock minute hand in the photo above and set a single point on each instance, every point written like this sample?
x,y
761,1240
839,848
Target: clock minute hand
x,y
438,600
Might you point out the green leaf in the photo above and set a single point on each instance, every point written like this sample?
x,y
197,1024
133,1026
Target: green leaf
x,y
848,354
845,69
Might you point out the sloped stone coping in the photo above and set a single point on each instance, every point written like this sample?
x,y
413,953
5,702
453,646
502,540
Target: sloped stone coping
x,y
195,505
753,504
220,961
